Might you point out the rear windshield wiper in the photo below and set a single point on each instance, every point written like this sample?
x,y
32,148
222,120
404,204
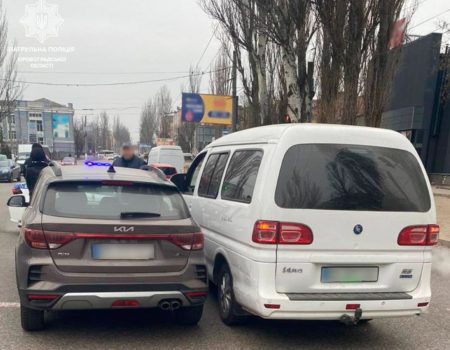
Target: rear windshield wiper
x,y
138,214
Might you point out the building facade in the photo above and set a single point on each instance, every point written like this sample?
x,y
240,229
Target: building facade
x,y
419,105
43,121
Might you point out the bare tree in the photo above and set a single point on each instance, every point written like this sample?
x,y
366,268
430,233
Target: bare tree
x,y
239,20
163,104
149,124
104,135
78,136
120,133
380,69
10,88
220,78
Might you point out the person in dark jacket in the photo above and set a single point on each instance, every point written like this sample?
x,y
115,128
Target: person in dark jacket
x,y
128,159
34,165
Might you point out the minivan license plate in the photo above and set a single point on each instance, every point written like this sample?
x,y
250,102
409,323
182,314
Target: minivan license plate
x,y
338,274
123,251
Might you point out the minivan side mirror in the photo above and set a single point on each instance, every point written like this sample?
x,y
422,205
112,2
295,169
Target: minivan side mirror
x,y
180,181
17,202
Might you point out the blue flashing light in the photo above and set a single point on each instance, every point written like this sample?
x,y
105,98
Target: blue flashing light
x,y
93,163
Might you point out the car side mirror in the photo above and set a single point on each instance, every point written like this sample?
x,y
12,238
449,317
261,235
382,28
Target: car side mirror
x,y
17,202
180,181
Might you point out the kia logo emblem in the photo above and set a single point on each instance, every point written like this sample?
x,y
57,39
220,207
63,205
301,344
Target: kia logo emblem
x,y
358,229
123,229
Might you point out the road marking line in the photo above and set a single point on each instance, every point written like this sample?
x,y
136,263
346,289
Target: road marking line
x,y
13,305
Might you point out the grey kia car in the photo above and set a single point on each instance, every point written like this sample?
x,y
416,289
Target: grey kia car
x,y
95,237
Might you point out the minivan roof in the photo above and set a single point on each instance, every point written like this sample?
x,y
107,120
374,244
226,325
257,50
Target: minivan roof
x,y
320,133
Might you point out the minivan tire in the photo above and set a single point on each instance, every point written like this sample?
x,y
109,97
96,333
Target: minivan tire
x,y
228,306
31,320
189,316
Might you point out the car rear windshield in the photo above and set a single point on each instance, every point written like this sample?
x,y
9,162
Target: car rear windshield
x,y
351,177
113,200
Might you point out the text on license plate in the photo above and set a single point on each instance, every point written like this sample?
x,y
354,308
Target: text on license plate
x,y
123,251
340,274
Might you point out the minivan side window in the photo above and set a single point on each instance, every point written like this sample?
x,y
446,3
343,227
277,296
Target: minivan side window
x,y
241,176
212,175
192,174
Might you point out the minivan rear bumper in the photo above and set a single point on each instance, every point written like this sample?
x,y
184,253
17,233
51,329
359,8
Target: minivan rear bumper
x,y
273,305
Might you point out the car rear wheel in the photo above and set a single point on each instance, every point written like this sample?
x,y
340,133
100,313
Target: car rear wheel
x,y
32,320
189,316
229,309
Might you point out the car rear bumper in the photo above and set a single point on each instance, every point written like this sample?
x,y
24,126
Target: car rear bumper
x,y
267,303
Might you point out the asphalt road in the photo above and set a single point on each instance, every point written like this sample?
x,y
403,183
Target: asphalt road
x,y
154,329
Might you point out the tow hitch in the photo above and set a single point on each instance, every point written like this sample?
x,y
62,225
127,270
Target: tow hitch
x,y
349,320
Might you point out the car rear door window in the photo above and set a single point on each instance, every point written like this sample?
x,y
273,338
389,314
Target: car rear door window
x,y
212,175
351,177
241,174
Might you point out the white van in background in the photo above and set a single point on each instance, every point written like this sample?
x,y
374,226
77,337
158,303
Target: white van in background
x,y
172,155
308,221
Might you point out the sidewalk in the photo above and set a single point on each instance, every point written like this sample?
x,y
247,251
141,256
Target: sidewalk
x,y
442,199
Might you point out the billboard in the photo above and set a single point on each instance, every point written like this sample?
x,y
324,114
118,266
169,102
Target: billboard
x,y
397,33
206,109
60,126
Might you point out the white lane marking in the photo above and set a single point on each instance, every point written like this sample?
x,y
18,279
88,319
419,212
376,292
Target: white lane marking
x,y
13,305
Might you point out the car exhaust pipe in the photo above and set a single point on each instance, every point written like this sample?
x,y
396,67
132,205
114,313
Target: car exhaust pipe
x,y
175,305
165,305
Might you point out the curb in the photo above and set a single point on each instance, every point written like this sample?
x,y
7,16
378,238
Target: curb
x,y
444,243
441,195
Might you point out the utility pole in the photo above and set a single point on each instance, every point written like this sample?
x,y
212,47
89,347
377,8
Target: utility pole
x,y
234,92
85,138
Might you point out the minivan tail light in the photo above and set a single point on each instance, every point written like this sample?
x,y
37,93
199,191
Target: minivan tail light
x,y
265,232
294,234
419,235
274,232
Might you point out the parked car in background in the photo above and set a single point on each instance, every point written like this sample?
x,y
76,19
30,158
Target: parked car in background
x,y
15,214
9,170
172,155
69,161
101,238
167,169
3,157
309,221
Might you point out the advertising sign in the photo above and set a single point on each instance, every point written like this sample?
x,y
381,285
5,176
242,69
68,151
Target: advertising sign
x,y
207,109
397,33
60,126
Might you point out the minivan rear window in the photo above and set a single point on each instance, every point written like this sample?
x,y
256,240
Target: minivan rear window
x,y
113,201
351,177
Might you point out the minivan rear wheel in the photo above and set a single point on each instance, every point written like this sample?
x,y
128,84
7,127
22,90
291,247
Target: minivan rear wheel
x,y
189,316
31,320
228,306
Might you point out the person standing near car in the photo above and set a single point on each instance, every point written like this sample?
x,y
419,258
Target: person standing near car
x,y
128,158
34,165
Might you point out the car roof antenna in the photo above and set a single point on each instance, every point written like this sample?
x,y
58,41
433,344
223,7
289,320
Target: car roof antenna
x,y
111,169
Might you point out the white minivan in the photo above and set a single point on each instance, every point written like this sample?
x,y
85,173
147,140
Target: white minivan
x,y
172,155
308,221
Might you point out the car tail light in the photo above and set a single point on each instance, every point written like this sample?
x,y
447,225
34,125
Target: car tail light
x,y
193,295
272,306
419,235
422,304
188,241
352,306
274,232
48,240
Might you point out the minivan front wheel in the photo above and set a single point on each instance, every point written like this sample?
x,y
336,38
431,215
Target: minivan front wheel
x,y
31,320
228,307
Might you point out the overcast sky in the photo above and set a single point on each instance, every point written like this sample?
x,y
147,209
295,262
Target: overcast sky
x,y
132,40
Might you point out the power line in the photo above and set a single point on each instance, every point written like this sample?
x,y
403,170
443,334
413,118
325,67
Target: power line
x,y
429,19
207,45
119,83
100,73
